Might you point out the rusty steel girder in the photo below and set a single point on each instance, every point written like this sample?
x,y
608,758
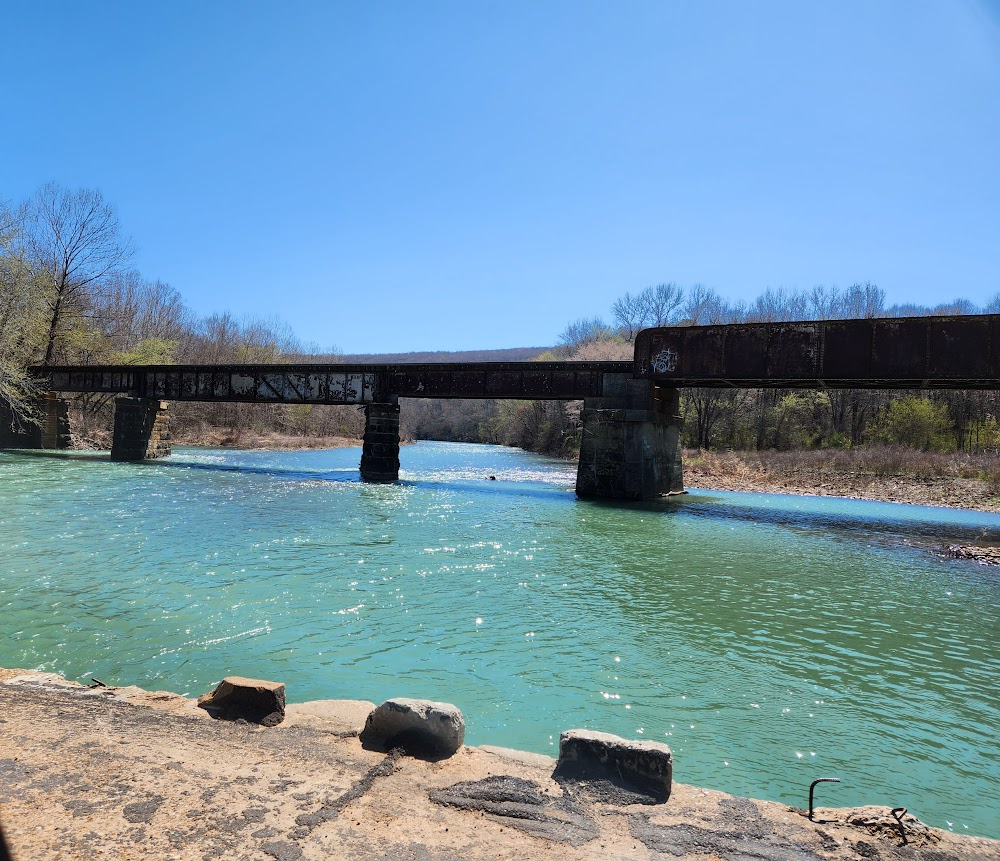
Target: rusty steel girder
x,y
879,353
338,384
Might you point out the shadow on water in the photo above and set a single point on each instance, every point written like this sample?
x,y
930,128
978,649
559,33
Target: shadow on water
x,y
520,489
898,522
104,458
895,522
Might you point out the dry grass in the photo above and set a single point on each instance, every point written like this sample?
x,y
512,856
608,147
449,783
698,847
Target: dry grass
x,y
876,462
889,473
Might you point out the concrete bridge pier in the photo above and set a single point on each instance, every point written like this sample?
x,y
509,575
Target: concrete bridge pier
x,y
630,448
142,429
380,452
51,433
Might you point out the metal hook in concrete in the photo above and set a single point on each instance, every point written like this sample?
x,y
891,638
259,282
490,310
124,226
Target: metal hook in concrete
x,y
812,786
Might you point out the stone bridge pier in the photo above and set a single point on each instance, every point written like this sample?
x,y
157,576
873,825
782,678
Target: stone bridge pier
x,y
51,433
630,447
142,429
380,449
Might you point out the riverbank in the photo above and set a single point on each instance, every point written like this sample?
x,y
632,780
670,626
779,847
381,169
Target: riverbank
x,y
252,441
883,475
94,773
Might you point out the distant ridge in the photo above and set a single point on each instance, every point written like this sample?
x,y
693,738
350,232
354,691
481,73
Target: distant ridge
x,y
511,354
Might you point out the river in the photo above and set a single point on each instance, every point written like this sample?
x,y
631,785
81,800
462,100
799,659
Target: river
x,y
769,640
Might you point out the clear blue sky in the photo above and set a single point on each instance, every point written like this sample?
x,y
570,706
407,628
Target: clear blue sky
x,y
450,175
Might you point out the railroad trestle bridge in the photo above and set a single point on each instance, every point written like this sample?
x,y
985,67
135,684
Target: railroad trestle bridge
x,y
630,419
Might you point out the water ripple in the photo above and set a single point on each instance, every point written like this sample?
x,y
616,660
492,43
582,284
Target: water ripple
x,y
768,639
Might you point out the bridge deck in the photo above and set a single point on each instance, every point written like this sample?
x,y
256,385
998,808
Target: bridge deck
x,y
339,384
881,353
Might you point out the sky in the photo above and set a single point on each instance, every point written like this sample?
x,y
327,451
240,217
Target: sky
x,y
399,176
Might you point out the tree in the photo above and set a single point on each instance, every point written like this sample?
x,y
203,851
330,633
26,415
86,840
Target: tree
x,y
584,331
705,307
73,241
629,314
915,422
21,319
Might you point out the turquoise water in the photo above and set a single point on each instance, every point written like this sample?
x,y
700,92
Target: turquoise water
x,y
768,639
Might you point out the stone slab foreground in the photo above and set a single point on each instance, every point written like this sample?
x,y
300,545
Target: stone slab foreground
x,y
117,774
420,727
253,700
641,767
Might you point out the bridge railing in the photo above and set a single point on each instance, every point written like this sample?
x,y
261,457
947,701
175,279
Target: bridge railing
x,y
338,383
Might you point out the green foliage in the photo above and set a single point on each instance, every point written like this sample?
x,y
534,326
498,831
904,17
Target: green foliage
x,y
915,422
151,351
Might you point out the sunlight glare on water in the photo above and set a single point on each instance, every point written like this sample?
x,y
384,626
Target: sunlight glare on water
x,y
769,640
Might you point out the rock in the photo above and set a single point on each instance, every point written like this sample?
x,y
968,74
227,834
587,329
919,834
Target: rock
x,y
983,555
420,727
253,700
643,768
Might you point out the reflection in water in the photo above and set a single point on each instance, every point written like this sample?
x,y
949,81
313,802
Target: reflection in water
x,y
768,639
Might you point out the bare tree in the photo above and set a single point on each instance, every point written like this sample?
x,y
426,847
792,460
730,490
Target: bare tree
x,y
584,331
629,314
863,300
705,307
661,304
74,241
140,320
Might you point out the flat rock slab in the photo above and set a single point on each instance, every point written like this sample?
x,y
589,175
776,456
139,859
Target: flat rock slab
x,y
620,770
340,717
422,728
253,700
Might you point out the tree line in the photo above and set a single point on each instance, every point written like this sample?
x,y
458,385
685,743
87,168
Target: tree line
x,y
69,295
742,419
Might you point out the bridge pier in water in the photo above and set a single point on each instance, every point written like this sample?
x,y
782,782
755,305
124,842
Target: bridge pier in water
x,y
380,450
142,429
51,433
630,446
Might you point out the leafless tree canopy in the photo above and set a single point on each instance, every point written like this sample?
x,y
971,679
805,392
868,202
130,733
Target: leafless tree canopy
x,y
73,241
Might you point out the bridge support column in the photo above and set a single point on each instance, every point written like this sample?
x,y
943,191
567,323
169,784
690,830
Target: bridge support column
x,y
142,429
631,442
51,433
380,453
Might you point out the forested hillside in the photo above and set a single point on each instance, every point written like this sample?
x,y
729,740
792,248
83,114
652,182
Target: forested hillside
x,y
68,294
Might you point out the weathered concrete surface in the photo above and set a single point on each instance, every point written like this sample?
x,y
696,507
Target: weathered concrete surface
x,y
420,727
128,774
253,700
343,717
142,429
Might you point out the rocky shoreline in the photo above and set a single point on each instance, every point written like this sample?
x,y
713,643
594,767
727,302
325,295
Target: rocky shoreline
x,y
124,773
